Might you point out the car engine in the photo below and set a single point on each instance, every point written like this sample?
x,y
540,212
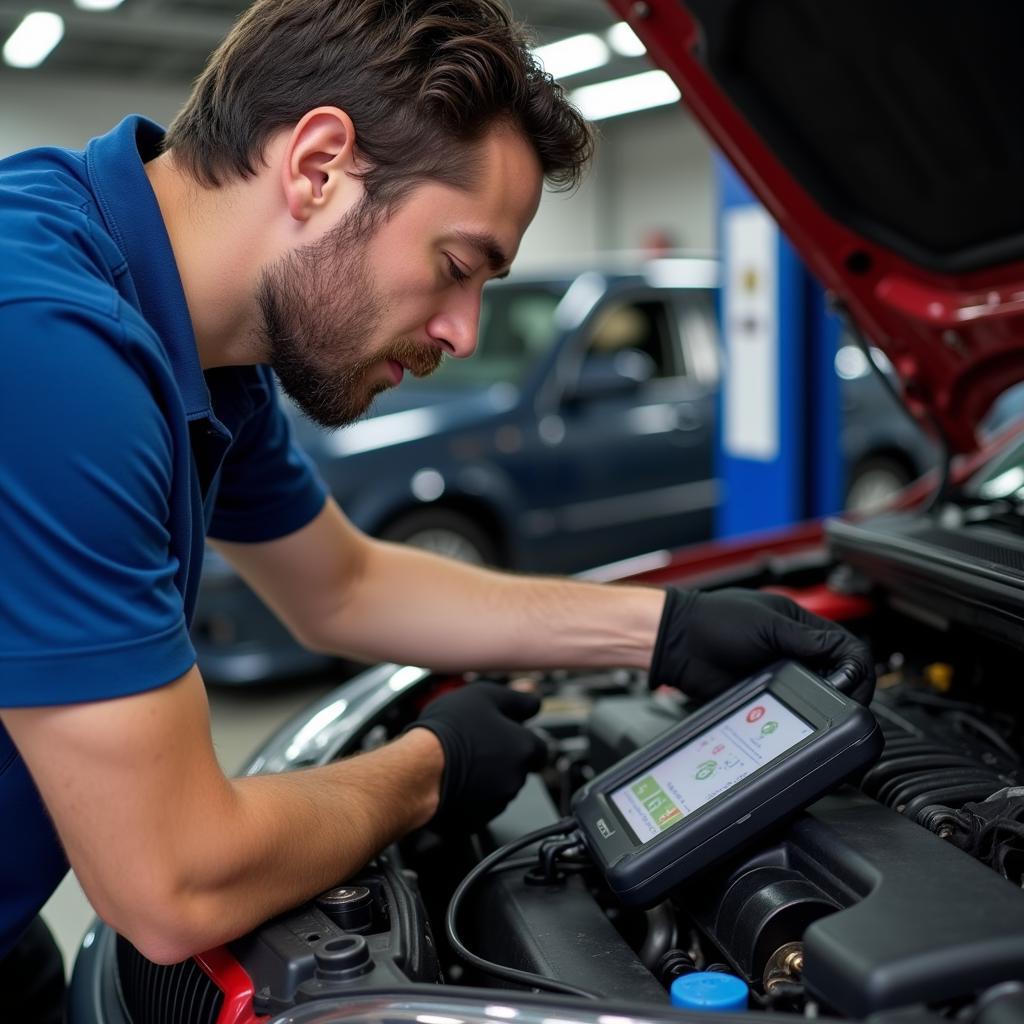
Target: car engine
x,y
901,890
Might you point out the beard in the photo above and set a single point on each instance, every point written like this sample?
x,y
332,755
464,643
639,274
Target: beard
x,y
319,306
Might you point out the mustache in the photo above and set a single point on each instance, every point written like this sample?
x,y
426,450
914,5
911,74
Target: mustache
x,y
419,359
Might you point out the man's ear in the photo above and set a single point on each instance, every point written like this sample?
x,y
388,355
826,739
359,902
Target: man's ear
x,y
318,159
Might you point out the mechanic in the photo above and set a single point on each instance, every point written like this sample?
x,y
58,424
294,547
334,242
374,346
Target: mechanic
x,y
343,181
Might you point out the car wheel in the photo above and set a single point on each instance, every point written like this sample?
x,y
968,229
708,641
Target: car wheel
x,y
444,532
874,482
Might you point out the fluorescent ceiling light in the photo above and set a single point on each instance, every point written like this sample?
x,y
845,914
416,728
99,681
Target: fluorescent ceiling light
x,y
624,41
574,55
625,95
98,5
34,39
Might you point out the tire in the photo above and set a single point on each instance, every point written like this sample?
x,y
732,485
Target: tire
x,y
445,532
875,482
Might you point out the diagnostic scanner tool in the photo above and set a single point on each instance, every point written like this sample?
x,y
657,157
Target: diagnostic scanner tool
x,y
763,750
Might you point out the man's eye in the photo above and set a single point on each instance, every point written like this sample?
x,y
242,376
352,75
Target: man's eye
x,y
457,273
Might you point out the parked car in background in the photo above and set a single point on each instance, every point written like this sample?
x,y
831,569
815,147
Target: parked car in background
x,y
582,432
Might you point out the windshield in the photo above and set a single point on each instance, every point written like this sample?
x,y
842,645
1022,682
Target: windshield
x,y
1004,476
517,326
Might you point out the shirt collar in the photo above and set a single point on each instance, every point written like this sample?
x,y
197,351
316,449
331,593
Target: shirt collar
x,y
130,209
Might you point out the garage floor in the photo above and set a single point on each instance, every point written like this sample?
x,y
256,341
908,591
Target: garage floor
x,y
242,719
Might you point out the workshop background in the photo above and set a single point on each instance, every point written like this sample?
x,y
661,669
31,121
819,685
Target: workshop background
x,y
655,190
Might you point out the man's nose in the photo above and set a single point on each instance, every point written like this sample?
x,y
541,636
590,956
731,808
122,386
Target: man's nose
x,y
457,326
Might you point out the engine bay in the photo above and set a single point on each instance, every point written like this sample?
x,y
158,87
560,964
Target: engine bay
x,y
902,889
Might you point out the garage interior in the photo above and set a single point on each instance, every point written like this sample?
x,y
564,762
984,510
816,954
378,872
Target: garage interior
x,y
836,401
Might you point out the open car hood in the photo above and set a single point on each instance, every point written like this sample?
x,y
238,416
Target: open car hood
x,y
886,140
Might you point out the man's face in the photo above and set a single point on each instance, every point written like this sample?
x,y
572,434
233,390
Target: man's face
x,y
345,316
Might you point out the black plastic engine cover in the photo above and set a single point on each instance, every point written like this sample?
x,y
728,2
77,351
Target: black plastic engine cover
x,y
304,955
620,725
912,919
559,931
932,923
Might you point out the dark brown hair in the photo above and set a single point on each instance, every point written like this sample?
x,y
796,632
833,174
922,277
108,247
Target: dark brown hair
x,y
422,81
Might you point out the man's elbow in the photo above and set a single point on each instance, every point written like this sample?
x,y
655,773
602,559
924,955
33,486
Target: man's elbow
x,y
164,950
320,639
167,928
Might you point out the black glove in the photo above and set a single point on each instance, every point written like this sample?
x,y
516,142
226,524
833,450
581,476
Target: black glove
x,y
487,753
709,640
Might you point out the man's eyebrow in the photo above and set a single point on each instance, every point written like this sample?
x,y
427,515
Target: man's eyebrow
x,y
488,247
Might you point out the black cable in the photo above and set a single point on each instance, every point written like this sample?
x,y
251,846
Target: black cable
x,y
941,701
964,713
551,853
965,718
894,718
945,449
528,978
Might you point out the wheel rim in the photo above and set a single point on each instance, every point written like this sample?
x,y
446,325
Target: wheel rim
x,y
873,489
449,543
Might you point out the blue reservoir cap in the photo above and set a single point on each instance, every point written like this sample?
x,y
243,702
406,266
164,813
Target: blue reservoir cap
x,y
709,990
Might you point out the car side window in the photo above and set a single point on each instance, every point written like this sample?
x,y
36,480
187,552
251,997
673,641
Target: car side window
x,y
517,327
531,322
699,335
636,327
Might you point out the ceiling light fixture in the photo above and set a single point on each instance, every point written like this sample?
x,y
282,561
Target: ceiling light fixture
x,y
625,95
624,41
98,5
34,39
574,55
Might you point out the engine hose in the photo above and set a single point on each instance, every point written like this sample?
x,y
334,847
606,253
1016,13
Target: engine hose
x,y
673,964
900,775
917,785
892,769
662,935
954,795
938,819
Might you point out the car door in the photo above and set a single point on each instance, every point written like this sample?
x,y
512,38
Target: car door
x,y
633,428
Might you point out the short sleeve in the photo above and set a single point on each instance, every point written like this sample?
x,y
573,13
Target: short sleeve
x,y
268,486
89,607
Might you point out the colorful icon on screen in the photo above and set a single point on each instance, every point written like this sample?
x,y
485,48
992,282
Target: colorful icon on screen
x,y
646,787
755,714
668,817
706,769
768,728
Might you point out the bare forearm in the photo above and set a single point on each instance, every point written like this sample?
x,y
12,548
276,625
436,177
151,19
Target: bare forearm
x,y
299,834
180,858
273,841
342,592
414,607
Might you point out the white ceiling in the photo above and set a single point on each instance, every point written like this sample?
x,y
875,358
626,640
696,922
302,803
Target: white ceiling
x,y
168,40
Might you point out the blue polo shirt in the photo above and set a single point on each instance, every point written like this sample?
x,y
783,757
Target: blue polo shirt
x,y
119,455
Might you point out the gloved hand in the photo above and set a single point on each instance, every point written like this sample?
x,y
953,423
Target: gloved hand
x,y
487,753
709,640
